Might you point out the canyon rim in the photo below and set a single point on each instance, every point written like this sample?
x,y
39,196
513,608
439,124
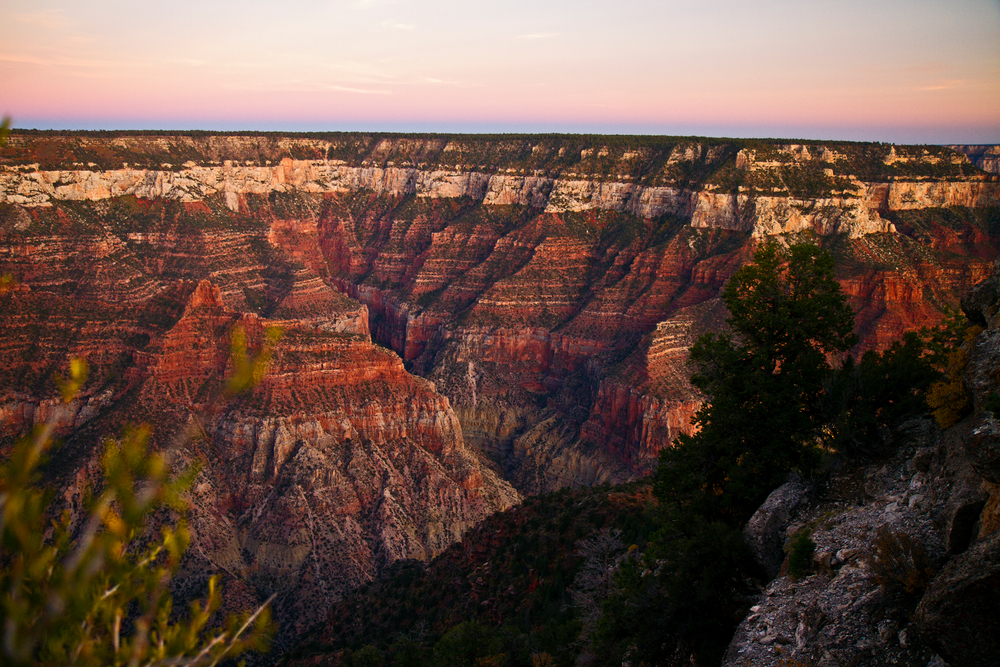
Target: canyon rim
x,y
466,319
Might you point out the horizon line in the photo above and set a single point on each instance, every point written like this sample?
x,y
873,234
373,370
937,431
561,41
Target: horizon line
x,y
479,134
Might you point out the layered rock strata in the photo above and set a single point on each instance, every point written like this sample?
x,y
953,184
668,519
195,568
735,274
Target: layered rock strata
x,y
529,262
985,157
338,463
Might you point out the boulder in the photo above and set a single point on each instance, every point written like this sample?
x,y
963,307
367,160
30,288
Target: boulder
x,y
959,614
765,532
982,303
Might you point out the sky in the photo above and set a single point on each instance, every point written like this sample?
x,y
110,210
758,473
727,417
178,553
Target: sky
x,y
903,71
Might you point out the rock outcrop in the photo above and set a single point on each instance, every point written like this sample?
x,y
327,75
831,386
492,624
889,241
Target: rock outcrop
x,y
336,465
959,615
765,531
985,157
905,568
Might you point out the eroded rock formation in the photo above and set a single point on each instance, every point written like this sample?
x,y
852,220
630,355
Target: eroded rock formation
x,y
985,157
543,290
338,462
506,267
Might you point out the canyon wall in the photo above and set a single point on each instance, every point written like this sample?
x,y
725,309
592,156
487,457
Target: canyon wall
x,y
986,157
501,267
336,464
537,296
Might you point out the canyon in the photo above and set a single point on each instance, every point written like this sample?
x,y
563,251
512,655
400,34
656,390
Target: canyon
x,y
985,157
464,319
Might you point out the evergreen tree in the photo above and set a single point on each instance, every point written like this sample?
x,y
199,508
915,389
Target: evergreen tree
x,y
764,380
765,383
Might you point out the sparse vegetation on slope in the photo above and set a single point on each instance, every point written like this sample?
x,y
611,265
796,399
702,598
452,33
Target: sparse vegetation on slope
x,y
509,583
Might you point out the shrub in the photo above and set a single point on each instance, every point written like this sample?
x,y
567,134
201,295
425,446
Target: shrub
x,y
97,591
950,345
899,563
466,644
800,553
367,656
98,594
993,404
863,398
949,401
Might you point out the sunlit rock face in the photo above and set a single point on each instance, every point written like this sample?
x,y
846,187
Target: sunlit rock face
x,y
336,464
985,157
530,261
530,299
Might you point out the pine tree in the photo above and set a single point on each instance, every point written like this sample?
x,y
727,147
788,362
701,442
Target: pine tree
x,y
764,380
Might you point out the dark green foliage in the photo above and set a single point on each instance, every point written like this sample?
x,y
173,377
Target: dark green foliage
x,y
764,379
368,656
861,398
704,582
949,347
942,340
993,404
507,583
409,652
465,644
800,554
634,616
809,180
101,595
682,599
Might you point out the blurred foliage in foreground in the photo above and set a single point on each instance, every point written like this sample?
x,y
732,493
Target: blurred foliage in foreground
x,y
93,589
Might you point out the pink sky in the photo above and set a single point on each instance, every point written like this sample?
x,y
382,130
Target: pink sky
x,y
891,70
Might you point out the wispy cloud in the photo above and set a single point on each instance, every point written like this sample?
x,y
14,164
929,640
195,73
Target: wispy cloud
x,y
360,91
925,67
400,26
57,61
945,85
373,3
539,35
304,87
436,81
188,62
45,18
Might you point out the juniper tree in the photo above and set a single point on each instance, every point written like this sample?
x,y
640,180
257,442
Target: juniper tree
x,y
763,381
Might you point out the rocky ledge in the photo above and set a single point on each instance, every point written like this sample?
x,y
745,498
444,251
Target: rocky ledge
x,y
904,562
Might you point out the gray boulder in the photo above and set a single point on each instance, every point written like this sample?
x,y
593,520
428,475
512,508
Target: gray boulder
x,y
959,614
765,532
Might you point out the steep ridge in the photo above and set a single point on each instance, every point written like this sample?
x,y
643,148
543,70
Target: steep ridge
x,y
503,268
338,463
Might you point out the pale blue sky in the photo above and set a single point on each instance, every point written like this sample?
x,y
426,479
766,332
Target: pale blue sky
x,y
891,70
